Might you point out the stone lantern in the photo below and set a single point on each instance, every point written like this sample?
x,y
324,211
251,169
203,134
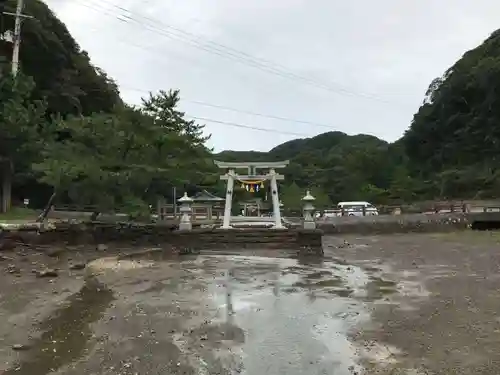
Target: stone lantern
x,y
185,209
308,211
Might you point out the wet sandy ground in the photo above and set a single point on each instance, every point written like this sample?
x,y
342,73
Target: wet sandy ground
x,y
406,304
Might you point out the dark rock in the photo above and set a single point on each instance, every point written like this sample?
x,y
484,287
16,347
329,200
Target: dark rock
x,y
77,266
12,269
46,273
19,347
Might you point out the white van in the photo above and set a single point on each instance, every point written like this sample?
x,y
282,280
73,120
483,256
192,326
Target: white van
x,y
357,208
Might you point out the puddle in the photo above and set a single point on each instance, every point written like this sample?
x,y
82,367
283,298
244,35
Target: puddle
x,y
379,288
66,334
287,329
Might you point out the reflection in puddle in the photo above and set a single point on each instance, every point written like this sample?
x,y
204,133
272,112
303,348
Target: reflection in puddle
x,y
288,328
66,333
378,288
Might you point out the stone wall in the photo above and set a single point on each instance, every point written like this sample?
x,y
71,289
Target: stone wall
x,y
96,233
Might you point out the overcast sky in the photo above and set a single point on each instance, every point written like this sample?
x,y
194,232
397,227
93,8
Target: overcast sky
x,y
357,66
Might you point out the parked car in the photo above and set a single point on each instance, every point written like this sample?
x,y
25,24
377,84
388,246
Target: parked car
x,y
357,209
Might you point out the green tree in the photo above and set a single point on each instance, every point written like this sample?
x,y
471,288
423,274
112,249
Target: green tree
x,y
121,160
21,129
374,194
291,196
92,161
185,143
322,199
162,108
403,188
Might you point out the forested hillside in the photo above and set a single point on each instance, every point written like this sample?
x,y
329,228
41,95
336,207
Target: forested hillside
x,y
454,139
65,133
344,167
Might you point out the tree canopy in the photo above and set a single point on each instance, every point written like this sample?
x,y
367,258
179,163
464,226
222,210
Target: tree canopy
x,y
334,165
124,159
454,138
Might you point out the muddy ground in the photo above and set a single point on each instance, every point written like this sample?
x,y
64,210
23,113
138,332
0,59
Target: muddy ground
x,y
400,304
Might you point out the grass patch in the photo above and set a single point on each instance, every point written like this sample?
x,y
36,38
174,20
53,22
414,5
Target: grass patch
x,y
19,213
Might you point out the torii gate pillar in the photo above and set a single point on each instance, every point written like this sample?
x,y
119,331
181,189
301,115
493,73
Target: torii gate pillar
x,y
252,175
226,222
275,198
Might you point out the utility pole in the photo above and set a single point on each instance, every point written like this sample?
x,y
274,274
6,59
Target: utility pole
x,y
17,37
17,34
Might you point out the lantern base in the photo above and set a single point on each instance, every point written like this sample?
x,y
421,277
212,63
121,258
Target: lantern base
x,y
185,226
309,225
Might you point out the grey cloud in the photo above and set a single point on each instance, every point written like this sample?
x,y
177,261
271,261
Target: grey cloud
x,y
388,50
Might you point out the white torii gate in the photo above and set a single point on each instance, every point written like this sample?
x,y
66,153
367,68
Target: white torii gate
x,y
252,175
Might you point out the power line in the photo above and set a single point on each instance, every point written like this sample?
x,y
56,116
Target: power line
x,y
221,49
237,125
207,48
273,117
174,36
287,119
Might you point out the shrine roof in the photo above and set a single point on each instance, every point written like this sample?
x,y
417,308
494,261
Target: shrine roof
x,y
205,196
